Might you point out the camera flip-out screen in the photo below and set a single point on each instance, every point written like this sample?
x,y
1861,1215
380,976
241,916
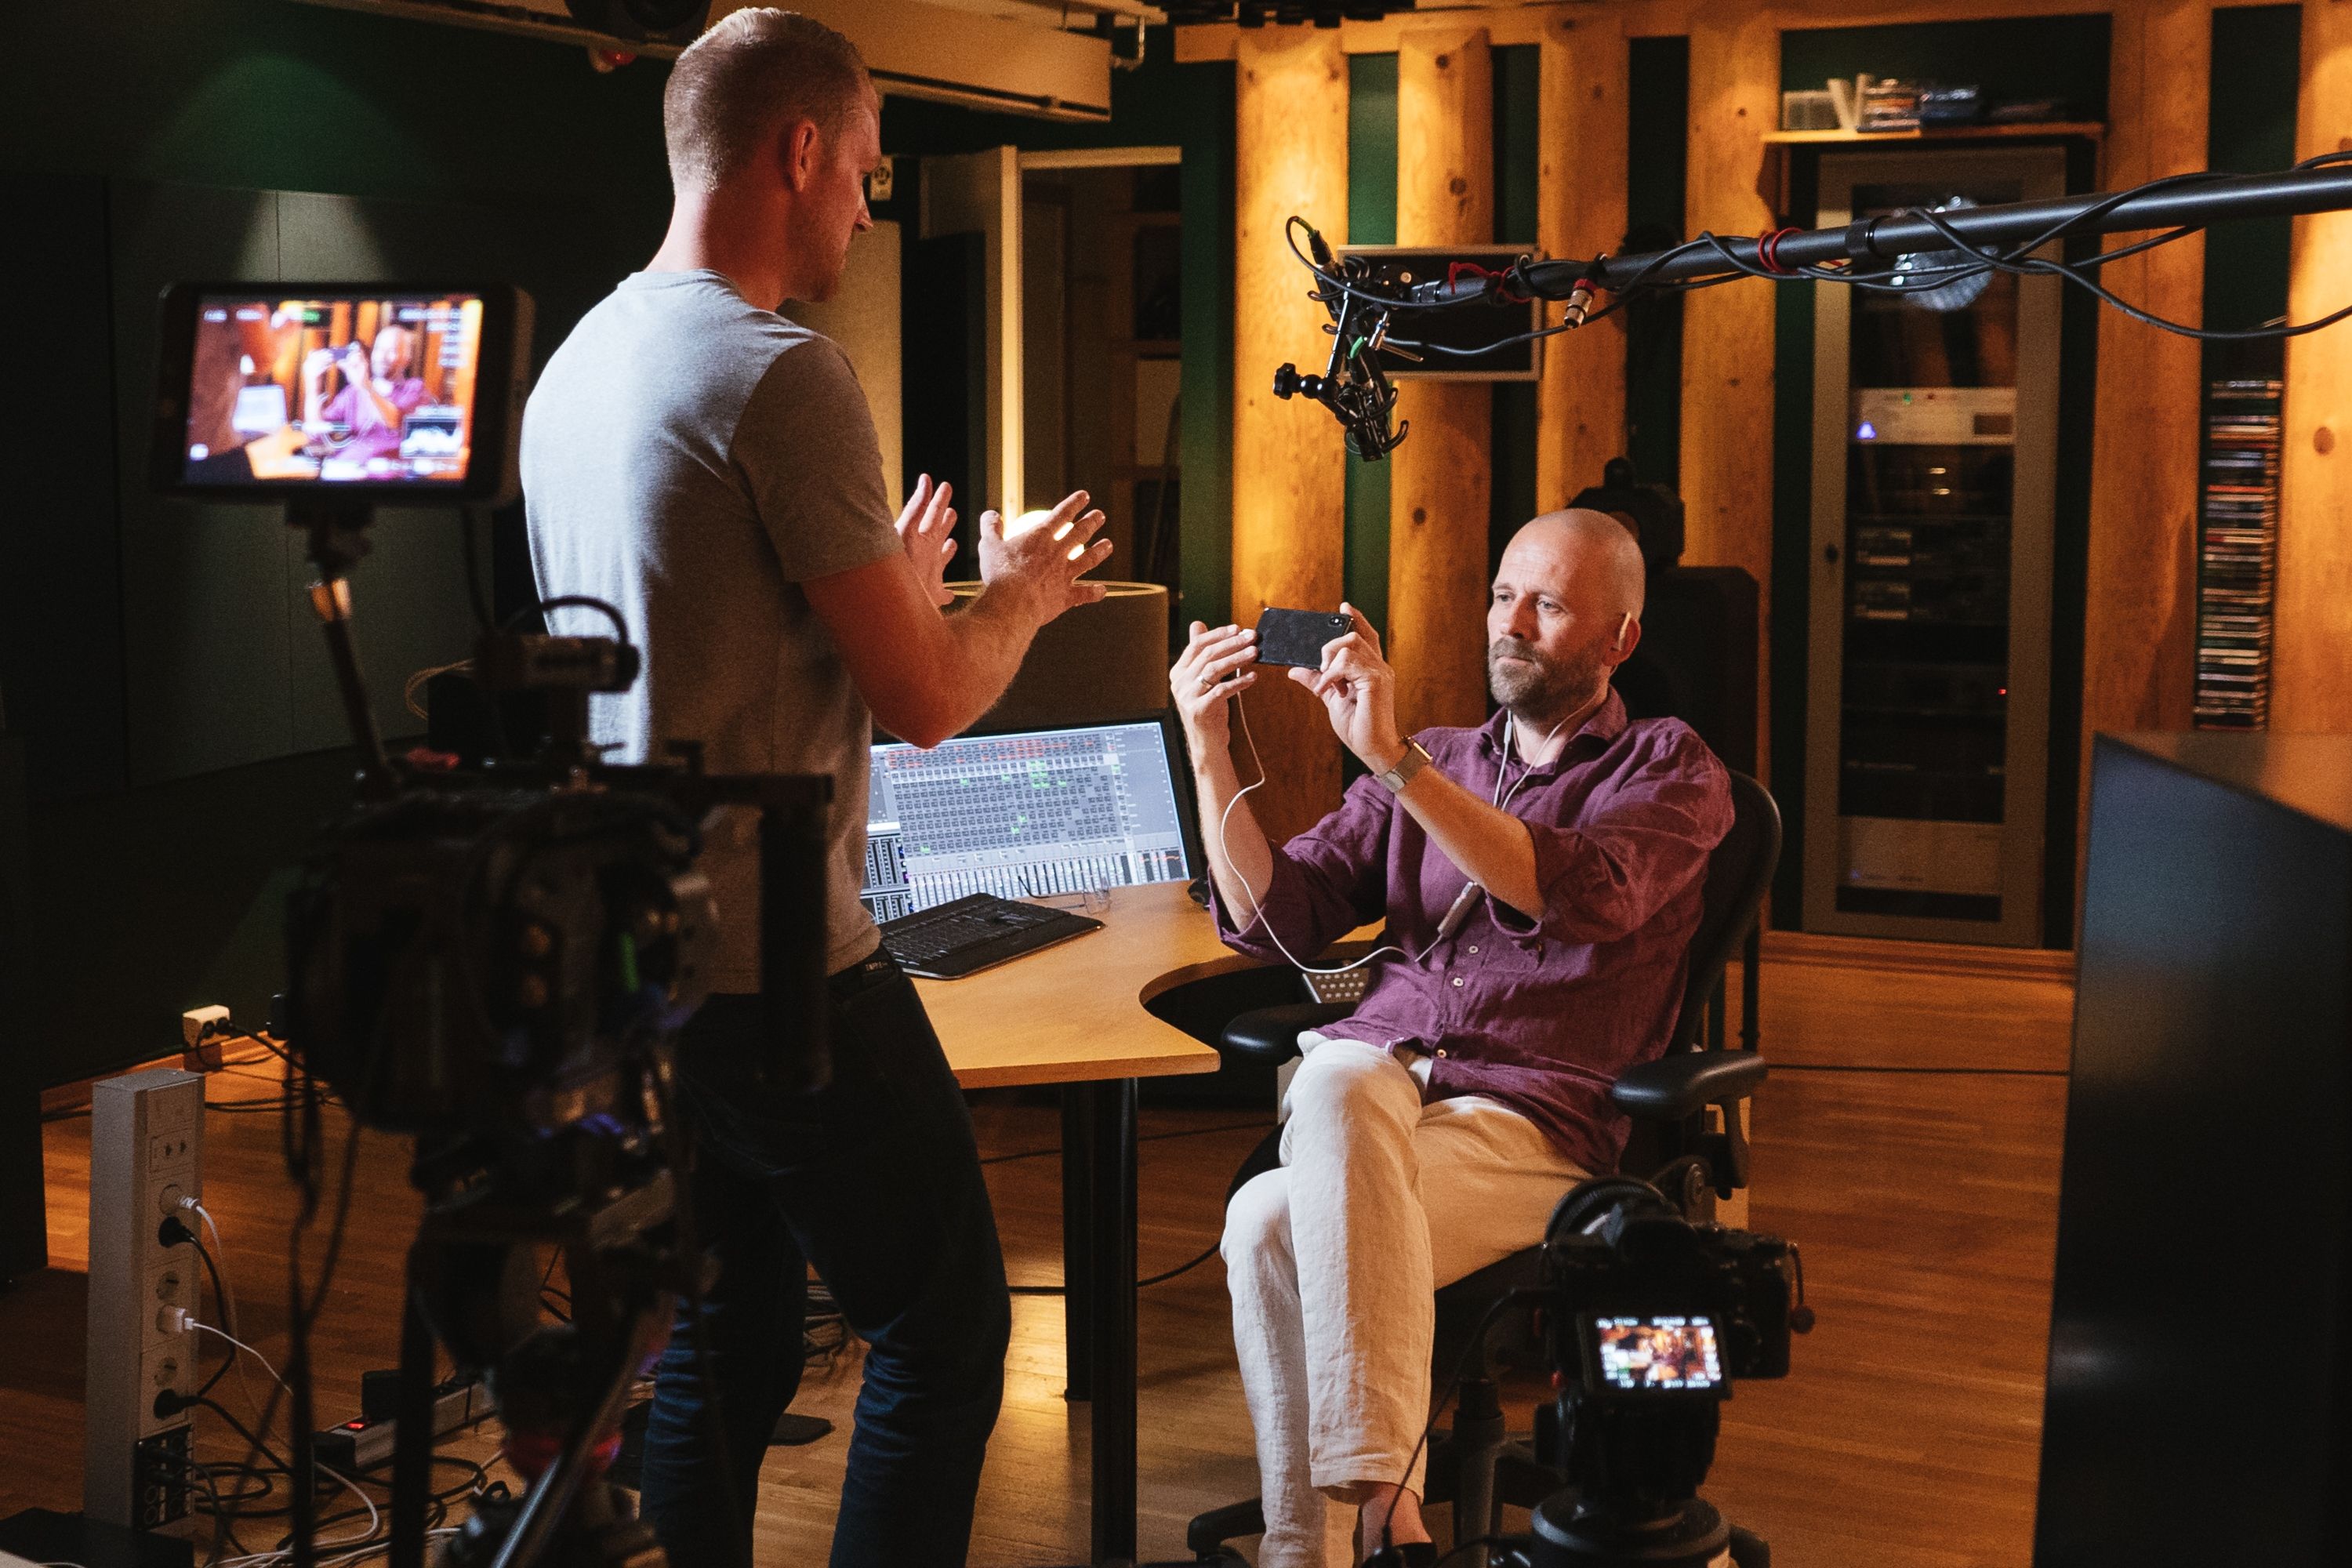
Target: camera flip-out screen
x,y
393,394
1654,1354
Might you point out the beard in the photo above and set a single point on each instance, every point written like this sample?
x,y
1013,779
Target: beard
x,y
1545,686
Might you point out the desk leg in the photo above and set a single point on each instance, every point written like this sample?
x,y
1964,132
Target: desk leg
x,y
1078,1241
1111,1147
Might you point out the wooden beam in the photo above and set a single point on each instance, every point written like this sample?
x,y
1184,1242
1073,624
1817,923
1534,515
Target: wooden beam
x,y
1438,493
1727,412
1289,482
1580,211
2311,647
2140,609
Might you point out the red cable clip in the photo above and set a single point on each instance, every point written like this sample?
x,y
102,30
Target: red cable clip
x,y
1768,251
1457,270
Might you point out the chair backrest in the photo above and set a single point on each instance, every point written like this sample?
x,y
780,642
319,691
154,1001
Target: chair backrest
x,y
1737,874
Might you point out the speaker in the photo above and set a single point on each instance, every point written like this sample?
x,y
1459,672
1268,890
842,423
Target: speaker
x,y
1697,659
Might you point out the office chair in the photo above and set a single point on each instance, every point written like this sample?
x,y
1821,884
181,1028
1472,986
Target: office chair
x,y
1477,1467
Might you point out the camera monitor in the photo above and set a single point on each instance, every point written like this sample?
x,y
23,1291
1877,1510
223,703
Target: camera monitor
x,y
1654,1354
385,393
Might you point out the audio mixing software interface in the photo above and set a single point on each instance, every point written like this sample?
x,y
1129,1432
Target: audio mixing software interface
x,y
1023,817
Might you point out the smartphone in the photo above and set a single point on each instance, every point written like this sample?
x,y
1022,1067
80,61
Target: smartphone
x,y
1296,636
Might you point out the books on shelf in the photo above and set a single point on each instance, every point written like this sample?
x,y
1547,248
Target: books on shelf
x,y
2237,557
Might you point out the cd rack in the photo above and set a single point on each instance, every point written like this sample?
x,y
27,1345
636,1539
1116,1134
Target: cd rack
x,y
2237,558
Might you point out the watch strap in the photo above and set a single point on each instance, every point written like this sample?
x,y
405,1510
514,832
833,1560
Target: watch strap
x,y
1411,763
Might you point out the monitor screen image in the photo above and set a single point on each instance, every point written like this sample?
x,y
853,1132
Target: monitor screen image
x,y
1657,1353
370,390
1023,815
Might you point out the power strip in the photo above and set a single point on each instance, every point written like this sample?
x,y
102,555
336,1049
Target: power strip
x,y
146,1145
366,1442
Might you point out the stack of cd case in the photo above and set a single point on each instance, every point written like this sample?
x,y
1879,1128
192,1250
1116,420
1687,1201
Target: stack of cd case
x,y
2237,564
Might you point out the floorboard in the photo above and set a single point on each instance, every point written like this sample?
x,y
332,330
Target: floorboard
x,y
1925,1203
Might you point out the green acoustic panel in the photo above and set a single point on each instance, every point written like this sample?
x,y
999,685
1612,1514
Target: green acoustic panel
x,y
204,612
2256,55
1372,220
61,604
1518,150
1371,149
1657,149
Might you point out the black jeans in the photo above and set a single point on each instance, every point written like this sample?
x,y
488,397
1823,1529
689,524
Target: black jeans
x,y
875,1181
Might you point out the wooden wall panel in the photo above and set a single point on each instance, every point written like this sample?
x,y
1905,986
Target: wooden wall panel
x,y
1580,211
1726,436
2140,610
1438,494
1289,484
2312,669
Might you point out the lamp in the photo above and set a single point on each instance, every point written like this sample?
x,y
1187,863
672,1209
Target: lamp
x,y
1096,663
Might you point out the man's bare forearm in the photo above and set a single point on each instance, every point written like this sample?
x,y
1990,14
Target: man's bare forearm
x,y
1241,860
983,644
1491,847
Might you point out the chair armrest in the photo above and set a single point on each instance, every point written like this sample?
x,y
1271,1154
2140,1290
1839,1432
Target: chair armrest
x,y
1270,1035
1678,1086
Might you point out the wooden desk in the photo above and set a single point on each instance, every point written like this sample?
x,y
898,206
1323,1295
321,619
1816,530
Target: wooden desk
x,y
1074,1015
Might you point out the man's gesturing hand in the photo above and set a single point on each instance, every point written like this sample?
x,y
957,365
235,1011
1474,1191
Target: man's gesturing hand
x,y
1046,560
1198,681
1359,692
927,527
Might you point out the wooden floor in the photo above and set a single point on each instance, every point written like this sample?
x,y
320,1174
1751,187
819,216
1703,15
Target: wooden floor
x,y
1908,1141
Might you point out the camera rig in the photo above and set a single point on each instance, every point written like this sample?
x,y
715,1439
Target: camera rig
x,y
1374,310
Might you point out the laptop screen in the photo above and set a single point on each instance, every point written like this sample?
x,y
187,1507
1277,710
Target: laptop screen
x,y
1023,815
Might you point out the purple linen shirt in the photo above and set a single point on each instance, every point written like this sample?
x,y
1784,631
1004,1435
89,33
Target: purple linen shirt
x,y
1541,1015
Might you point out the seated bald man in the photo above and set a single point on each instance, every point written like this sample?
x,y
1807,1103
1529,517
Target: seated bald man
x,y
1540,878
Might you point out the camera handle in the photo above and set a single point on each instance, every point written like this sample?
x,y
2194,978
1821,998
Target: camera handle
x,y
337,533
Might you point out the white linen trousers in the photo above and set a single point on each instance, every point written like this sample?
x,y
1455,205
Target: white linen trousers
x,y
1333,1259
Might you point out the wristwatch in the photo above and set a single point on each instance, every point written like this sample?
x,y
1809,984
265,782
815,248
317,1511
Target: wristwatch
x,y
1411,763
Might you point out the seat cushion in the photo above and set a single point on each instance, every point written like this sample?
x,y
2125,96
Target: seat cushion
x,y
1270,1035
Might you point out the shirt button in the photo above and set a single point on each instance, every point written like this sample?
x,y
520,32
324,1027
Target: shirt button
x,y
1473,947
1440,1056
1457,983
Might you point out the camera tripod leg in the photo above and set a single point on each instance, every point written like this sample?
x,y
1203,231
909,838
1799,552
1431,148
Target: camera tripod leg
x,y
412,1436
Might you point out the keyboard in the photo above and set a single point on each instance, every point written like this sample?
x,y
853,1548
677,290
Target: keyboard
x,y
950,941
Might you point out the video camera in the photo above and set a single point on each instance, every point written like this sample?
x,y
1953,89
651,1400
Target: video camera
x,y
1648,1319
495,957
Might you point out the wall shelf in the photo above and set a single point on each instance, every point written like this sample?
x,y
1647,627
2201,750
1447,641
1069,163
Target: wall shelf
x,y
2091,130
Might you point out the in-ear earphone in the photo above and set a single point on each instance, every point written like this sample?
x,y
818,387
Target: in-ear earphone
x,y
1624,624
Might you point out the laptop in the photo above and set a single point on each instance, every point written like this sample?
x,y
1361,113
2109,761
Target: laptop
x,y
964,842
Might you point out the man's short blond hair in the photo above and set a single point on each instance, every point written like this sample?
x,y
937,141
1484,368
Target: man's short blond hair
x,y
752,73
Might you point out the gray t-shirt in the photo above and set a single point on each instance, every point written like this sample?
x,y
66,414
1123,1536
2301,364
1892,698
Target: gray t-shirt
x,y
693,459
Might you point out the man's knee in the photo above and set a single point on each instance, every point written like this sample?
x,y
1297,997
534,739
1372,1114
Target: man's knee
x,y
1257,1221
1343,1084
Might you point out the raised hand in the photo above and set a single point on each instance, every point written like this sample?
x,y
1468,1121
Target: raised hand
x,y
1359,692
927,528
1046,559
1213,669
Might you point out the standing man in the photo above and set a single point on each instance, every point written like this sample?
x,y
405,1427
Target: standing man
x,y
712,468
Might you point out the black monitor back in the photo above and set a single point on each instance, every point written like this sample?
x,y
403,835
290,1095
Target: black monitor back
x,y
2197,1406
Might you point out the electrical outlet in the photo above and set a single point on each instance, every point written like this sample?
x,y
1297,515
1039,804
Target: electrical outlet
x,y
146,1143
159,1476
